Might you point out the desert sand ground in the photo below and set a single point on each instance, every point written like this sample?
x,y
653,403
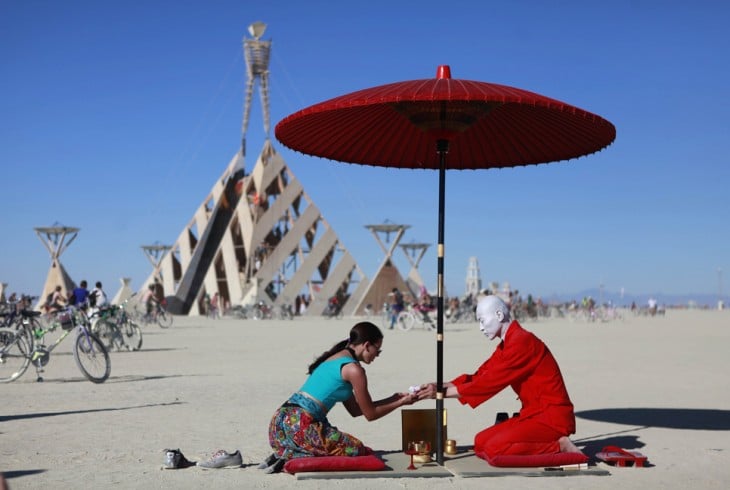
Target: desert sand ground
x,y
660,385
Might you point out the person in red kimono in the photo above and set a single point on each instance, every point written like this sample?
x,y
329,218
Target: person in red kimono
x,y
524,362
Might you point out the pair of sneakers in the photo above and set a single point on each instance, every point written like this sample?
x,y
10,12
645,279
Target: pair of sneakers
x,y
174,459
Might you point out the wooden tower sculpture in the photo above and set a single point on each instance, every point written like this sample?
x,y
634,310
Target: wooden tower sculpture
x,y
388,276
57,239
257,236
124,293
414,253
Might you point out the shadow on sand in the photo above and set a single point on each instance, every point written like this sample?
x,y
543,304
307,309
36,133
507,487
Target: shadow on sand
x,y
18,473
668,418
23,416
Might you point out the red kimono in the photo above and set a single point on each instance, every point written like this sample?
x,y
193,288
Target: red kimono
x,y
523,362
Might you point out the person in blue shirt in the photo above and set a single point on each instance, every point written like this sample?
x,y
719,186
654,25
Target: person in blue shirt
x,y
79,295
396,306
299,428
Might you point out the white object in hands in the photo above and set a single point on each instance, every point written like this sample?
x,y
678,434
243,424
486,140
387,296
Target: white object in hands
x,y
414,389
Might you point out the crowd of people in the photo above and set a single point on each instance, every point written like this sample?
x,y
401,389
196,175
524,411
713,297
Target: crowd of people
x,y
78,296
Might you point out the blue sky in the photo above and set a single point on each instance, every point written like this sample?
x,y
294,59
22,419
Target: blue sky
x,y
117,117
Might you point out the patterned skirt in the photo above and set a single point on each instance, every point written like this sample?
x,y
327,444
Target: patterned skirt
x,y
295,433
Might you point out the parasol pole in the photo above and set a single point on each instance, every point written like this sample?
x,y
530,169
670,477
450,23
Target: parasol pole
x,y
442,147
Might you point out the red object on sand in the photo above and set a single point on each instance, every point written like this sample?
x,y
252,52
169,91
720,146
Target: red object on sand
x,y
614,454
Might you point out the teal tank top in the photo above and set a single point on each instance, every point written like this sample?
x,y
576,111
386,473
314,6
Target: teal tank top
x,y
326,383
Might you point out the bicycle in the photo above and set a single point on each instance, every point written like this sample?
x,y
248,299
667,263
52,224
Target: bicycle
x,y
240,312
17,352
262,311
130,328
333,309
285,312
115,329
385,314
411,317
19,316
158,315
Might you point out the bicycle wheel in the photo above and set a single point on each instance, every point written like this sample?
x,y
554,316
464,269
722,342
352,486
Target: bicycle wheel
x,y
107,332
132,335
257,313
14,355
28,330
91,357
429,322
164,319
137,312
405,320
385,317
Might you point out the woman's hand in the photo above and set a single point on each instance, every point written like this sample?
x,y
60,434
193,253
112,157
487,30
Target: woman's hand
x,y
404,398
427,391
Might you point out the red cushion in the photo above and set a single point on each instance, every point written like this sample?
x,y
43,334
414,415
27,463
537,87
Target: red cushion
x,y
534,460
335,463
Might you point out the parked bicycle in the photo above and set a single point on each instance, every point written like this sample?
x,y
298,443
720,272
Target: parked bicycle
x,y
115,329
239,311
286,312
385,314
459,313
21,345
20,316
415,316
333,309
262,311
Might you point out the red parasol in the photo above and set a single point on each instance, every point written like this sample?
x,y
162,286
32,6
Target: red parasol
x,y
415,124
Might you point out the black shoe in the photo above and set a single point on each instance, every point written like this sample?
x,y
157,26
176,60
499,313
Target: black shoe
x,y
268,461
174,460
276,467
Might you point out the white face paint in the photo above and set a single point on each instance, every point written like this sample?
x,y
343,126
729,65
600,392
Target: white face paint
x,y
490,317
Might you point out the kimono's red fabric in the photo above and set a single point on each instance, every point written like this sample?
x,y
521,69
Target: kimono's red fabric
x,y
523,362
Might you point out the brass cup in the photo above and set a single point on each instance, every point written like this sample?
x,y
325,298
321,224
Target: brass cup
x,y
450,446
422,449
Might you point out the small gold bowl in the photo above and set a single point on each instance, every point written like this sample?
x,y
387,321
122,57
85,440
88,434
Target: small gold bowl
x,y
422,451
422,458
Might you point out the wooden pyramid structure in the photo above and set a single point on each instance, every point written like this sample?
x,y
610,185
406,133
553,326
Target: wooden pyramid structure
x,y
414,252
377,292
257,236
57,239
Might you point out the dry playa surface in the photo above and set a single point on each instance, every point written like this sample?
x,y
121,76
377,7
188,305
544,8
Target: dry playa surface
x,y
658,385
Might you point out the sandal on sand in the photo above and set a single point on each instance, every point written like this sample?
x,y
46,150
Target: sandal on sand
x,y
174,460
614,454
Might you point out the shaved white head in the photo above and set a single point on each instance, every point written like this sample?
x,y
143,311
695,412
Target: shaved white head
x,y
493,316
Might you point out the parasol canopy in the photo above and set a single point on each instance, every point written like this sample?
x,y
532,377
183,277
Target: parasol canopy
x,y
416,124
487,126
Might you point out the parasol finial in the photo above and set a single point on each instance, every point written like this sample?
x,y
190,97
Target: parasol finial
x,y
443,71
